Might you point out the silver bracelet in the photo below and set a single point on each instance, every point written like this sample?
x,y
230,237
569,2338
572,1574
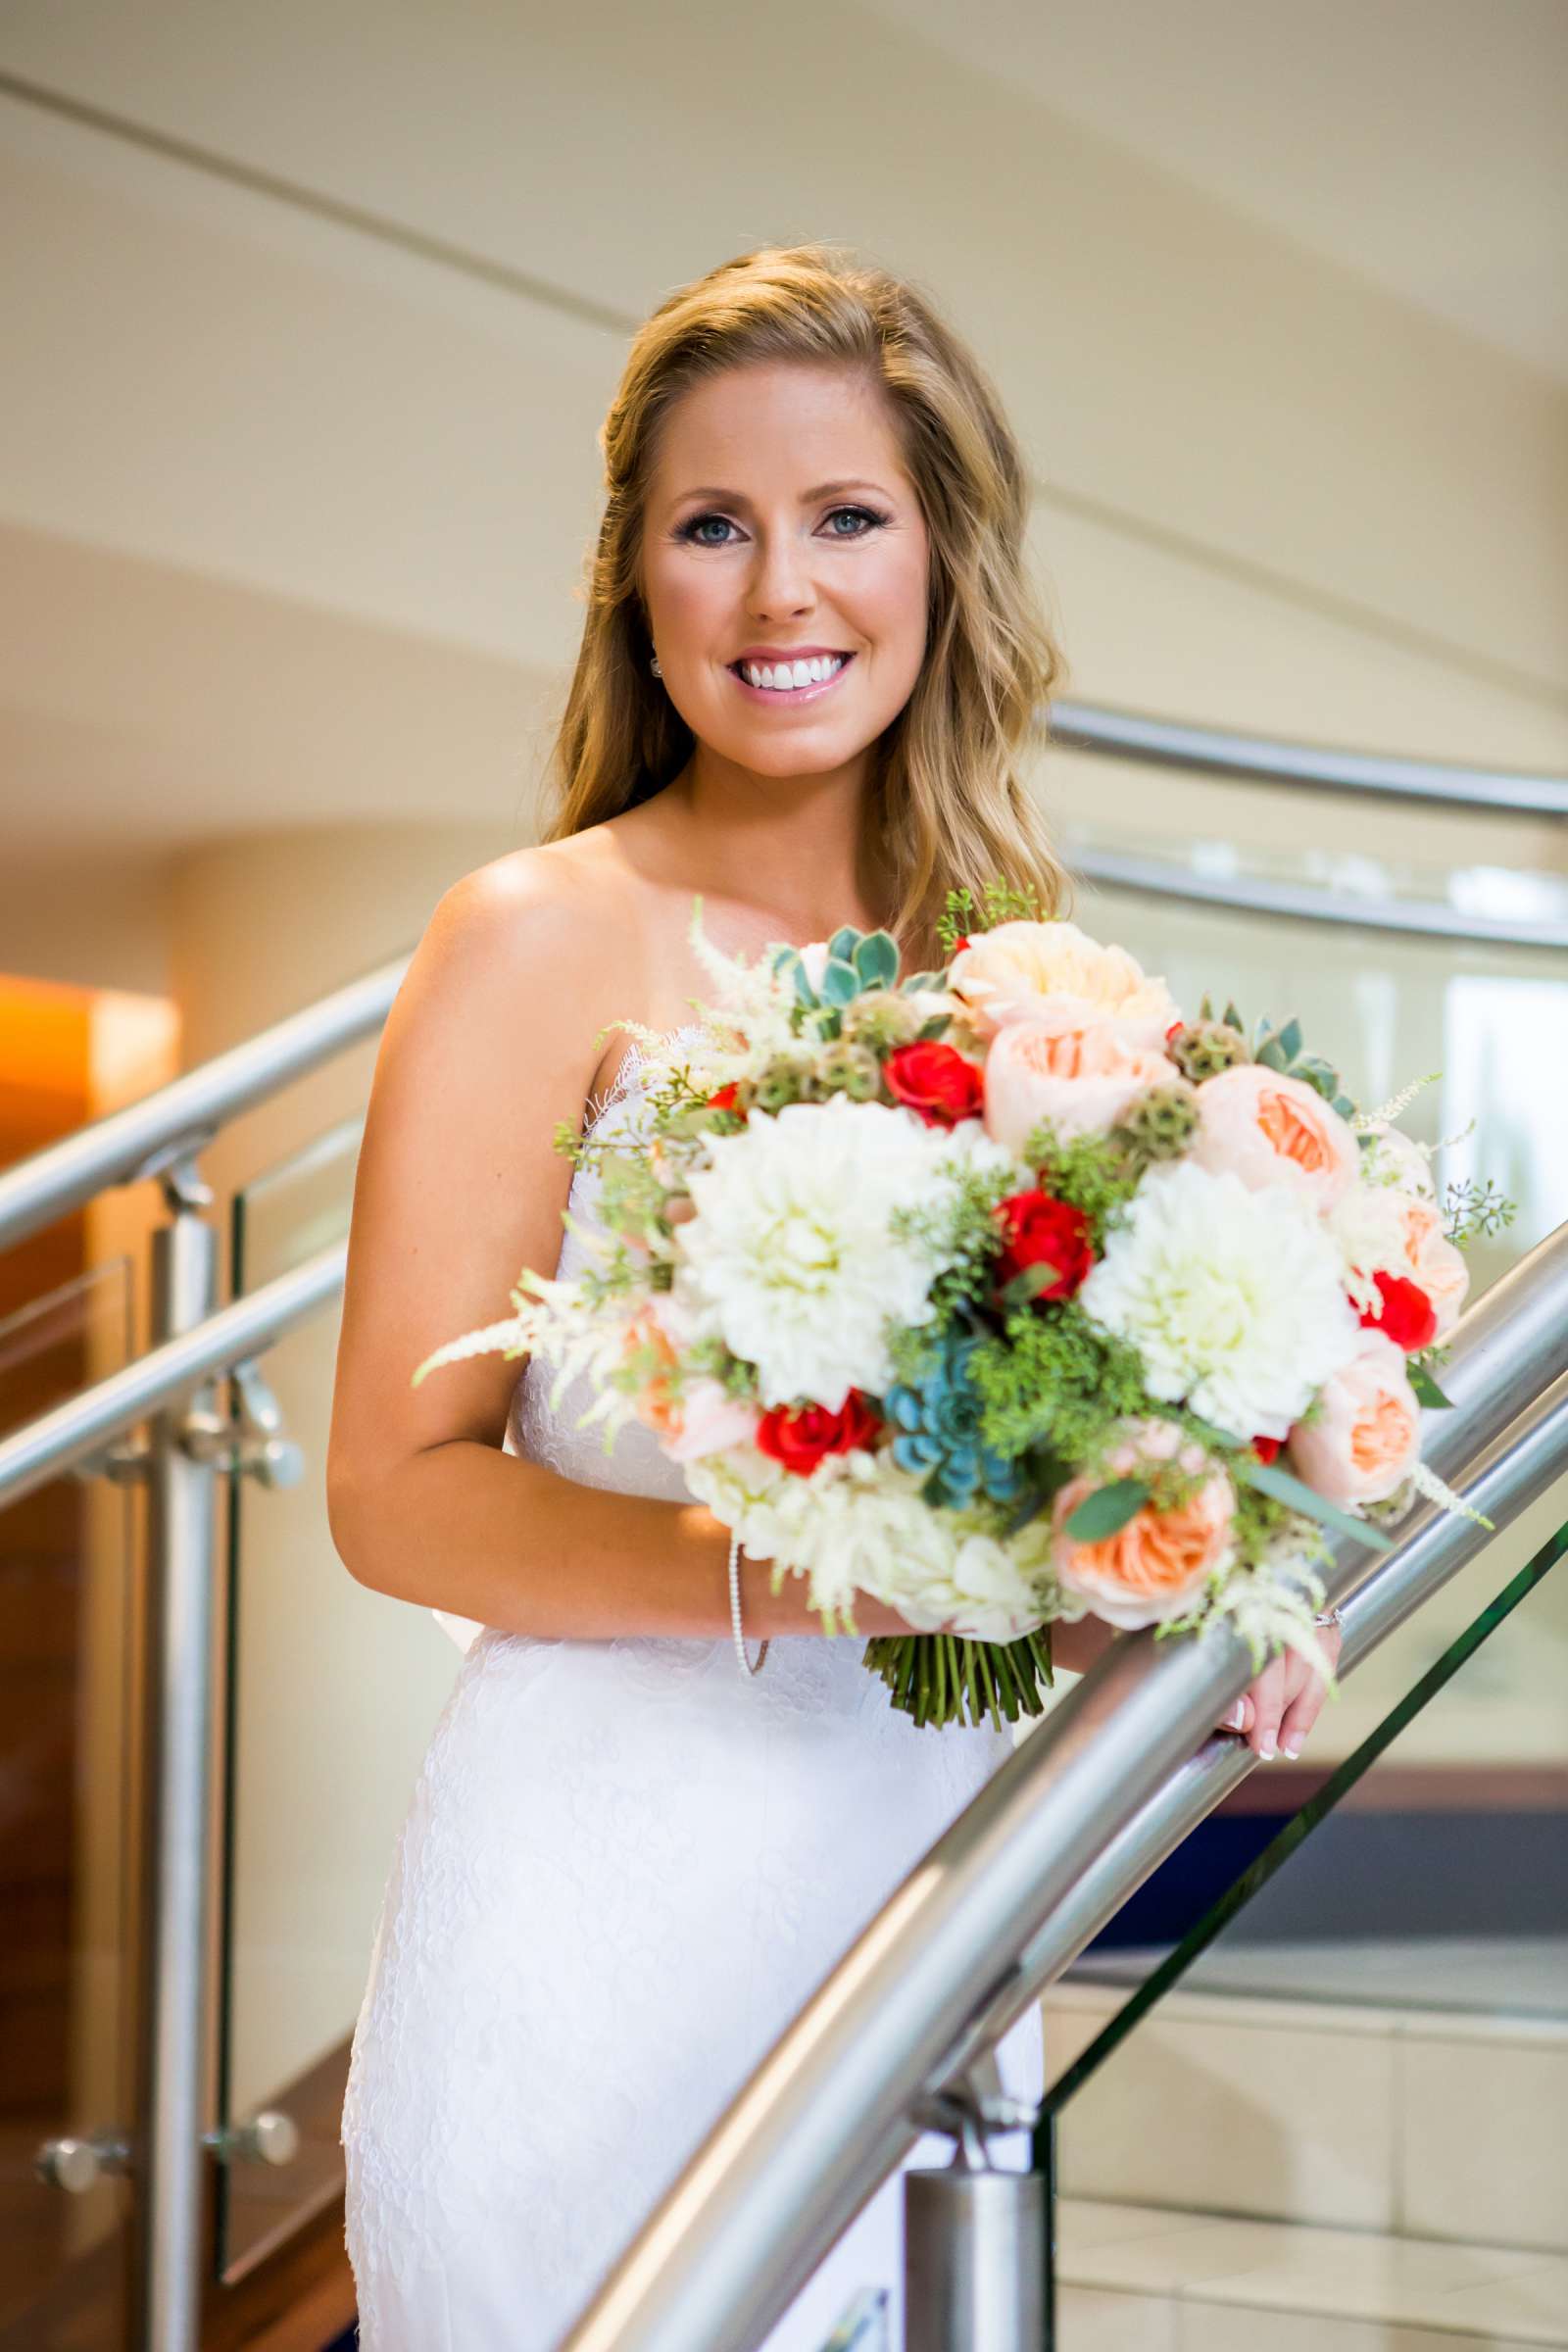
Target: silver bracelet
x,y
735,1610
1329,1617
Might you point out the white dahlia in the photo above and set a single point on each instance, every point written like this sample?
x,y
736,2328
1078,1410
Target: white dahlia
x,y
1234,1296
790,1257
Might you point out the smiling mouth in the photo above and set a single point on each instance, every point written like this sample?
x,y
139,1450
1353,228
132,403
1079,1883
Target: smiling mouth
x,y
787,695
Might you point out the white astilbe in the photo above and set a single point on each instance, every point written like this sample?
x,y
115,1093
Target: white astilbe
x,y
1426,1481
756,996
1271,1605
561,1328
1387,1112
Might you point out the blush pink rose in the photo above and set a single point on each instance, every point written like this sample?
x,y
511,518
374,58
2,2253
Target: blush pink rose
x,y
1270,1129
1431,1261
1067,1064
1367,1438
1157,1564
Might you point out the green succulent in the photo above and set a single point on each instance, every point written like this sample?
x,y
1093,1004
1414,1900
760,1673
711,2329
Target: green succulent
x,y
1281,1050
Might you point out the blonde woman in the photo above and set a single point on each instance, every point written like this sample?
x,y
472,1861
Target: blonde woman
x,y
811,659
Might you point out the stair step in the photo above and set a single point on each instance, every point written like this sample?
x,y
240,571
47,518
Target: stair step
x,y
1424,2123
1154,2278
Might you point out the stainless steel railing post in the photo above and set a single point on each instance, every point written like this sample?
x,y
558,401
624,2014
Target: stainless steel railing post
x,y
174,2019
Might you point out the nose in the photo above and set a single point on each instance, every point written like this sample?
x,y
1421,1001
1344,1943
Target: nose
x,y
780,583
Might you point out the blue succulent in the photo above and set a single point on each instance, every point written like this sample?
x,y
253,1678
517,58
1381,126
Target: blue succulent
x,y
937,1429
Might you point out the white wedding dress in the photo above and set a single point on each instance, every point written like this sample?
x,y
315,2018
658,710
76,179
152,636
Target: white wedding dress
x,y
625,1866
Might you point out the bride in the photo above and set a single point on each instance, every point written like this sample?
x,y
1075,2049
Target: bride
x,y
810,657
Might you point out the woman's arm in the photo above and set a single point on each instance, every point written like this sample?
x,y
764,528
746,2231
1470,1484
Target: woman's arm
x,y
488,1044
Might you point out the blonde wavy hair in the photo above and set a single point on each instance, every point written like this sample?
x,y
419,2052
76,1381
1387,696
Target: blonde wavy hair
x,y
946,805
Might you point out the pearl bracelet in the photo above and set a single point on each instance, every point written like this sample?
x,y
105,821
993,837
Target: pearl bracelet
x,y
747,1666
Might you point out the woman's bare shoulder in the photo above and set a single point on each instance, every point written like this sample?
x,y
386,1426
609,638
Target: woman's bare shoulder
x,y
553,907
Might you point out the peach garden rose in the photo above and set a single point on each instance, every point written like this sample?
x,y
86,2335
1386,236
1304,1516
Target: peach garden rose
x,y
1272,1129
1431,1261
1067,1064
1158,1562
1366,1439
1015,971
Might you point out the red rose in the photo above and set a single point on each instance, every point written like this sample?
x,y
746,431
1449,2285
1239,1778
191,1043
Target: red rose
x,y
724,1099
1408,1315
935,1080
1040,1230
1266,1448
799,1435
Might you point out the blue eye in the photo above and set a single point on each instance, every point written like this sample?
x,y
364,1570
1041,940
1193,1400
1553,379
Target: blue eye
x,y
690,529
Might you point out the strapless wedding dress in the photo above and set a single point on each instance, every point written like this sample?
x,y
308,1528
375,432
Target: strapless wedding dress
x,y
624,1867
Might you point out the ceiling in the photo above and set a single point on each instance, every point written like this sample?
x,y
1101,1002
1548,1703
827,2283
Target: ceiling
x,y
1419,142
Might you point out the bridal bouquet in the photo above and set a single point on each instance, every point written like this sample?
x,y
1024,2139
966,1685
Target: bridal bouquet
x,y
1007,1294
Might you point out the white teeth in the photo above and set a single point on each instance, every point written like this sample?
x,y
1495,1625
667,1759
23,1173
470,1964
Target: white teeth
x,y
785,676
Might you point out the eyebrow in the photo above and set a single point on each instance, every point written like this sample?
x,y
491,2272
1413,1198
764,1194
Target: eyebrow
x,y
738,497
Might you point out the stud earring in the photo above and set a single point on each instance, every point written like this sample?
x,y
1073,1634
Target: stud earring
x,y
654,667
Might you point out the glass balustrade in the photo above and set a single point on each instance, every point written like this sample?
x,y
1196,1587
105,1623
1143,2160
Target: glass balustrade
x,y
1386,1007
1345,2008
334,1693
69,1591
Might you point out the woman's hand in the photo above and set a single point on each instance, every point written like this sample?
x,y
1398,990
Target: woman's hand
x,y
1283,1702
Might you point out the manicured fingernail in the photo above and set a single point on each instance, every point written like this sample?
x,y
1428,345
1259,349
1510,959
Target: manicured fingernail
x,y
1236,1718
1291,1748
1265,1747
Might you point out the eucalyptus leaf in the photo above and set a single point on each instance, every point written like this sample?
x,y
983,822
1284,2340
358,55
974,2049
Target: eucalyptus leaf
x,y
1272,1480
841,983
1029,1283
1107,1509
1426,1388
1291,1039
843,944
803,986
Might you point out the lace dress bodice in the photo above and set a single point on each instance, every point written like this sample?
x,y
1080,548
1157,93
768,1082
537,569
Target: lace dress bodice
x,y
625,1867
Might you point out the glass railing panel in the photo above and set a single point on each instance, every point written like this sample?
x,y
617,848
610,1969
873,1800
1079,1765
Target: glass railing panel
x,y
1386,1007
1366,2028
69,1813
333,1693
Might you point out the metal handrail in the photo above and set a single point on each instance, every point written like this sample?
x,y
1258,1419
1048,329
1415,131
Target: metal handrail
x,y
987,1916
1262,893
1266,759
174,1120
1512,1473
72,1434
